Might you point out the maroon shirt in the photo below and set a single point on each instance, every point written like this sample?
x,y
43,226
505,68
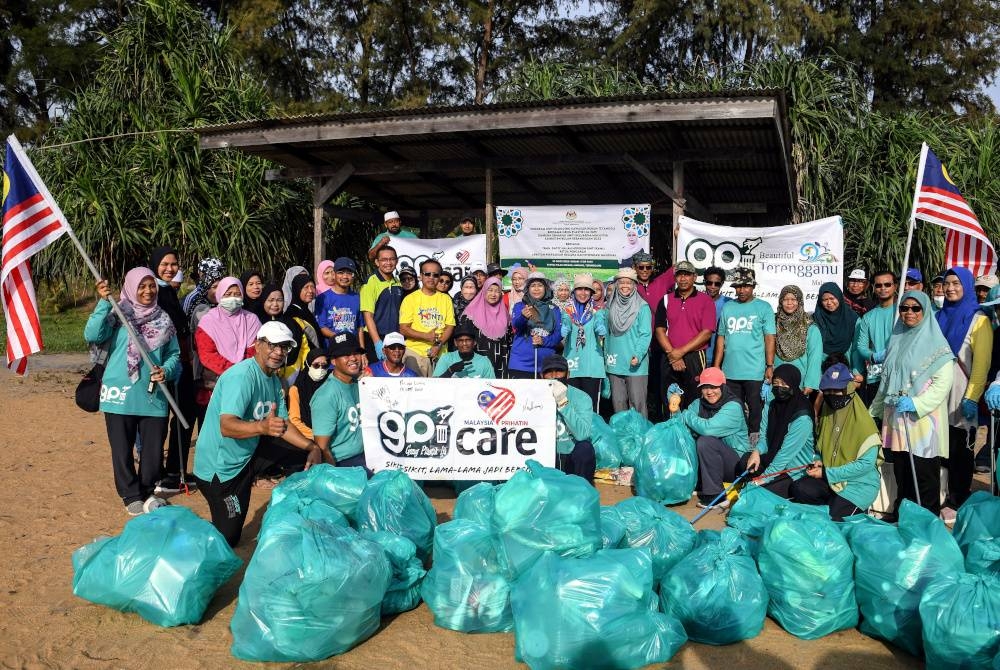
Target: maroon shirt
x,y
654,291
685,318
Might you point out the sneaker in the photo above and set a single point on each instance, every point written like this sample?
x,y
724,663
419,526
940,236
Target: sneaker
x,y
153,503
172,484
948,516
135,508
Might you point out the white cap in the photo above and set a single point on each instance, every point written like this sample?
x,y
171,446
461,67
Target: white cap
x,y
989,281
857,273
393,338
389,216
275,332
478,267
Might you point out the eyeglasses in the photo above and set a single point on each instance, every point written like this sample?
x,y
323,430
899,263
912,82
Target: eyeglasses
x,y
319,366
888,285
431,274
284,346
713,283
643,267
916,309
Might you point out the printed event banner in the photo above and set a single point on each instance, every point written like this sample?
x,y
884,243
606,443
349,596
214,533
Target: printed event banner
x,y
804,254
448,429
568,240
457,255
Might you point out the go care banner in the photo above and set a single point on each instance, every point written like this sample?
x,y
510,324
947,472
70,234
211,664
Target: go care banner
x,y
804,254
457,255
569,240
448,429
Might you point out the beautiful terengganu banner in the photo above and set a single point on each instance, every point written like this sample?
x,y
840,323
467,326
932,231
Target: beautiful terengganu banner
x,y
804,254
568,240
457,255
454,429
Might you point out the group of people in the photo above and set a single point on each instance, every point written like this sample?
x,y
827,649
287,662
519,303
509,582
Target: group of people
x,y
268,369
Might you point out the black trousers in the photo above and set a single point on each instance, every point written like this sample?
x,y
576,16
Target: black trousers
x,y
135,484
687,378
229,501
747,391
589,385
179,439
961,463
928,480
809,491
582,461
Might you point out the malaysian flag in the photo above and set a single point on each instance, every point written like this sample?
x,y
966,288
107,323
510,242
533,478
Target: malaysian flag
x,y
496,405
939,201
31,221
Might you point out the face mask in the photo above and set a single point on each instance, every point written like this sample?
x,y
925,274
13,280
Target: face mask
x,y
161,283
231,305
836,402
939,301
781,393
318,374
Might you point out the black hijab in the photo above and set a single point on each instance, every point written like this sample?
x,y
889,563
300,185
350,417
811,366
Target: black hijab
x,y
707,410
166,295
253,304
299,309
781,414
269,288
307,387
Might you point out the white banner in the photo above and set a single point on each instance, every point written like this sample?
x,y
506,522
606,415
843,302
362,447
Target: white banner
x,y
804,254
568,240
457,429
457,255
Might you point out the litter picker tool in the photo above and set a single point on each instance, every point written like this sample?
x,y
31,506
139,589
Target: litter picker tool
x,y
913,465
719,497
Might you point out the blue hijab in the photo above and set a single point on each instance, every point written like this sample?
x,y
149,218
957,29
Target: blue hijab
x,y
955,318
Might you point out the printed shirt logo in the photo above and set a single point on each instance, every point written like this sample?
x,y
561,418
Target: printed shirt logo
x,y
342,319
430,318
114,395
262,409
496,405
737,325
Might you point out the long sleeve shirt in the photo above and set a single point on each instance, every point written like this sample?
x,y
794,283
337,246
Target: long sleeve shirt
x,y
523,354
796,449
871,337
574,420
729,425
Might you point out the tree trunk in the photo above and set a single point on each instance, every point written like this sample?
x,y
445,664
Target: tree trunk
x,y
484,54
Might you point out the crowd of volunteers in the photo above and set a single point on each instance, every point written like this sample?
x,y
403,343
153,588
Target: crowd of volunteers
x,y
810,400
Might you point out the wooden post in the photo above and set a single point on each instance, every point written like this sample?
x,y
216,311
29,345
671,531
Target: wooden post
x,y
319,251
678,208
491,229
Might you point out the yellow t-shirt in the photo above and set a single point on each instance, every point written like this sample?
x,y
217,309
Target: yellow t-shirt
x,y
425,314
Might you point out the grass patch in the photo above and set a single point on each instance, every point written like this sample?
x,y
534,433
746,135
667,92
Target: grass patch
x,y
62,331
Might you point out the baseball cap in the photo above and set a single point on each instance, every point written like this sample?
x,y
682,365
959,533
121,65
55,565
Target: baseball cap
x,y
478,267
913,274
464,329
344,344
389,216
275,332
743,277
857,273
407,270
685,266
989,281
711,377
836,378
495,270
555,362
344,263
393,339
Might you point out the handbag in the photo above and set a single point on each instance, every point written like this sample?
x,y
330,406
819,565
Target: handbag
x,y
88,391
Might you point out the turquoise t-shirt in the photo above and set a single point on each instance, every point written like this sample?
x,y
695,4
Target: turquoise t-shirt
x,y
403,232
119,394
619,349
744,325
336,413
574,421
870,337
808,363
479,367
245,392
588,360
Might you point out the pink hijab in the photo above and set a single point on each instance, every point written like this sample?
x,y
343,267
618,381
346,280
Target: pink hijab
x,y
516,296
493,321
322,286
233,334
151,323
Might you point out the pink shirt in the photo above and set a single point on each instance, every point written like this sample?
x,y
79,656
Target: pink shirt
x,y
685,318
657,288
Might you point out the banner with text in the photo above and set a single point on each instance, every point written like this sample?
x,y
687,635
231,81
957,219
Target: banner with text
x,y
457,255
804,254
569,240
455,429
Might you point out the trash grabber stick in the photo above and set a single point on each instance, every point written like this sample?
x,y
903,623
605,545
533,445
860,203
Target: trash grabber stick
x,y
719,497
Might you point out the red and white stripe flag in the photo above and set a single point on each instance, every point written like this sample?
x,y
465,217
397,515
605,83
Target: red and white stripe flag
x,y
496,405
31,221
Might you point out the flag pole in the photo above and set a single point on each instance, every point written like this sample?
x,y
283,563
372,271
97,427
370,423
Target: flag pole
x,y
913,222
140,345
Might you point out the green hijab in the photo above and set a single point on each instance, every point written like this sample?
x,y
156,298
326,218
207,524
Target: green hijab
x,y
914,354
845,435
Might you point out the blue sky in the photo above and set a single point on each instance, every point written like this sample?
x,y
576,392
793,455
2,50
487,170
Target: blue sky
x,y
994,92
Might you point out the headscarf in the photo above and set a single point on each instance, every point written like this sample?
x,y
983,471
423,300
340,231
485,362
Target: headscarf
x,y
321,285
269,288
151,322
233,333
306,386
459,302
836,327
955,318
781,414
516,296
561,305
252,304
581,312
210,270
286,286
707,410
914,354
602,302
493,321
166,294
845,435
790,341
991,310
298,309
546,312
623,311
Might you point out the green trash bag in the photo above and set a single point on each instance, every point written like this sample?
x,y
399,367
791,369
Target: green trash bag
x,y
466,588
710,536
666,469
961,621
716,592
408,572
808,570
612,528
667,535
630,427
892,568
605,442
756,508
593,612
341,487
542,509
313,589
394,502
314,509
977,531
165,567
476,504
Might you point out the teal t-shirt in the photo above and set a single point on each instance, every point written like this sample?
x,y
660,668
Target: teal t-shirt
x,y
619,349
588,360
245,392
403,232
574,421
808,363
870,337
119,394
744,325
336,413
479,367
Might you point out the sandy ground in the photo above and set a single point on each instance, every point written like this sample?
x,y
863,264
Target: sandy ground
x,y
57,493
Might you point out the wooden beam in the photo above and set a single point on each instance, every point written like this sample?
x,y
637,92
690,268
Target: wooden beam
x,y
491,229
687,204
678,208
326,188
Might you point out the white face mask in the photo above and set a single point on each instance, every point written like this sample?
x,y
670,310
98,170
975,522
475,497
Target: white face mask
x,y
318,374
939,301
231,305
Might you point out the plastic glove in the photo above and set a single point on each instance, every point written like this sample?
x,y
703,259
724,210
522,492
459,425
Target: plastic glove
x,y
674,388
378,350
879,356
559,392
765,392
993,396
905,404
970,409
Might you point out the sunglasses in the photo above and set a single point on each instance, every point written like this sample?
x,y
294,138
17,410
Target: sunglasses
x,y
916,309
319,366
888,285
713,283
432,274
643,267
